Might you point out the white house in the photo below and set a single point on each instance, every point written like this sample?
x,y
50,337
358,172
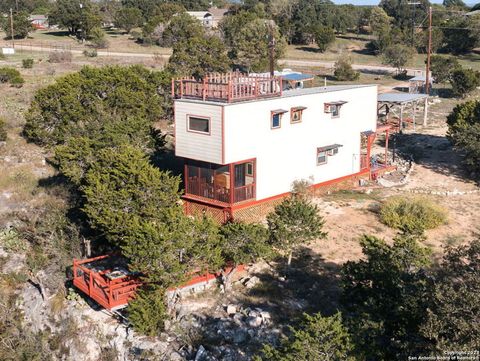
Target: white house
x,y
245,140
204,17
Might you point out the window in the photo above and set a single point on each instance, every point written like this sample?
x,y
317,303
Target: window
x,y
321,157
334,108
199,125
296,114
276,120
324,152
250,169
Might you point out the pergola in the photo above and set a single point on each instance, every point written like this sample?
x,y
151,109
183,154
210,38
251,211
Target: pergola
x,y
399,103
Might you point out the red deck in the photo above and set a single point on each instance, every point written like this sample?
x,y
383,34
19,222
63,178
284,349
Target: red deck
x,y
109,287
112,287
230,87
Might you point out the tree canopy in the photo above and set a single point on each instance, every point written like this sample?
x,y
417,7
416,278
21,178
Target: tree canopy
x,y
75,16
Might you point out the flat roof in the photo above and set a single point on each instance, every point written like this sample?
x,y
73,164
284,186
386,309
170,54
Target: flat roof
x,y
400,97
297,77
286,94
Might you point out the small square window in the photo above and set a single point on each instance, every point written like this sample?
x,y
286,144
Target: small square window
x,y
276,120
321,158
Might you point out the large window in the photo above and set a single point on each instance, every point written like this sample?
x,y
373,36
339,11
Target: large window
x,y
321,157
198,124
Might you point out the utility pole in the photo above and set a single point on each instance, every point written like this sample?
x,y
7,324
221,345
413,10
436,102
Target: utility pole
x,y
11,27
429,51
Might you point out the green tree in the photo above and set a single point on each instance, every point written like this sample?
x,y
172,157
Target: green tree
x,y
453,314
308,15
128,18
379,21
464,132
385,298
21,25
244,243
403,12
398,56
147,312
464,81
443,67
317,338
181,28
98,38
198,56
122,189
28,6
460,34
75,15
343,70
247,37
78,103
294,222
324,36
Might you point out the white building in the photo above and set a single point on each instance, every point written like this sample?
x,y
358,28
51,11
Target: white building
x,y
245,141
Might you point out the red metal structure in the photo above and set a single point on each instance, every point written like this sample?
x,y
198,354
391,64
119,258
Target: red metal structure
x,y
106,280
229,88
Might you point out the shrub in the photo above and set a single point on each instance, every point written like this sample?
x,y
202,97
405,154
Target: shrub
x,y
412,215
12,76
464,81
344,71
90,53
3,130
60,57
98,38
147,312
27,63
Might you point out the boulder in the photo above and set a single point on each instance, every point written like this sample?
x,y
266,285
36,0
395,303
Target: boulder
x,y
255,321
231,309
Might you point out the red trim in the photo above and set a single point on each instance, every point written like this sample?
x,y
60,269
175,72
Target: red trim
x,y
200,117
272,113
223,134
294,110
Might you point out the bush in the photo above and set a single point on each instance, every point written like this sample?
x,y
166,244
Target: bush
x,y
344,71
90,53
3,130
12,76
464,81
98,38
27,63
412,215
443,68
147,312
60,57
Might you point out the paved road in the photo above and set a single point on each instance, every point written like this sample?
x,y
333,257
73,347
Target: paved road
x,y
287,62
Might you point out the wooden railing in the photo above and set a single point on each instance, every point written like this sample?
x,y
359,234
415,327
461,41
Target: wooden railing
x,y
364,161
244,193
199,188
230,87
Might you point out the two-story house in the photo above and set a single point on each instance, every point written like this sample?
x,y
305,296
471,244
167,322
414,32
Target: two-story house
x,y
245,141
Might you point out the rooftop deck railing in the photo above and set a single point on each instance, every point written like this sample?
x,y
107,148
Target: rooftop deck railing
x,y
229,88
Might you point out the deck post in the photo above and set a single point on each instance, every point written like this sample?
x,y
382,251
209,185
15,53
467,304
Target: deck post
x,y
425,112
232,182
386,146
414,105
90,283
401,118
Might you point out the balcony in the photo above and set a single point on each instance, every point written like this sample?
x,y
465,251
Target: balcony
x,y
228,88
215,184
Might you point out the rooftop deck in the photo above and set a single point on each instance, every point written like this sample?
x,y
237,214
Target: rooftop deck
x,y
227,88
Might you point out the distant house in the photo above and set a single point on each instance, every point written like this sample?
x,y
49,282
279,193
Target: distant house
x,y
204,17
245,140
210,18
416,85
217,15
39,21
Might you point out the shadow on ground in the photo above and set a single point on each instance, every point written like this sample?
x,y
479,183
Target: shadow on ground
x,y
310,285
433,152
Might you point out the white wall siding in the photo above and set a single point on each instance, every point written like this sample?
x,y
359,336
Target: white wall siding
x,y
197,146
289,153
